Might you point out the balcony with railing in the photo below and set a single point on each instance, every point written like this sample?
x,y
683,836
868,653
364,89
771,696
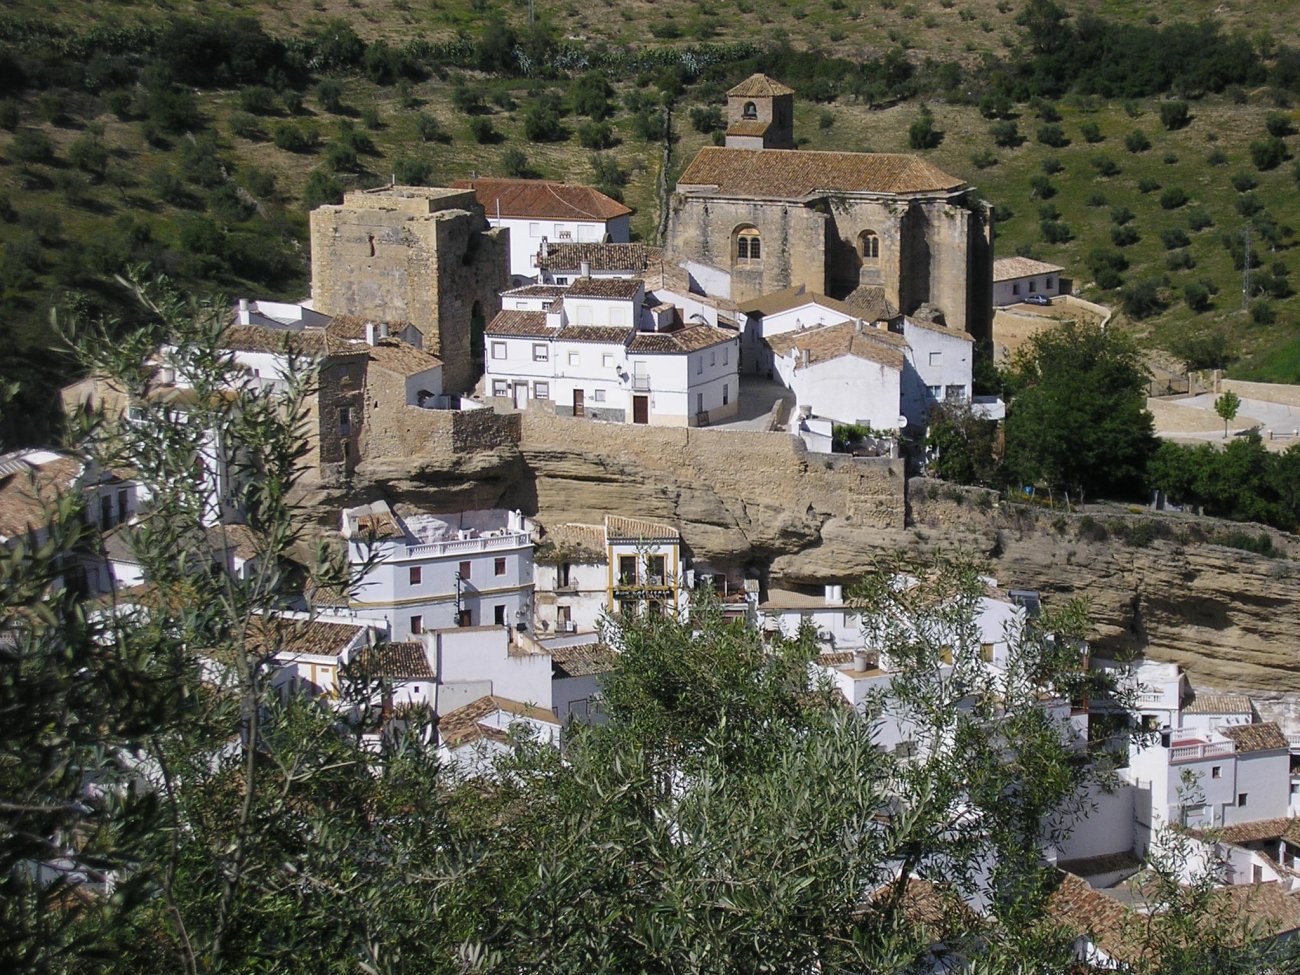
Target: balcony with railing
x,y
487,542
1201,751
641,384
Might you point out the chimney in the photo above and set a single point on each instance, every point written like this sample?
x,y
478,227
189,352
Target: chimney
x,y
383,330
584,269
243,311
834,595
861,661
372,333
805,358
546,248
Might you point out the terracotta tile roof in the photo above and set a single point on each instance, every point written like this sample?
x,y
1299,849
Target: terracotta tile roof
x,y
748,127
523,323
604,288
291,637
1260,829
617,334
930,326
1267,906
353,327
397,661
546,198
1081,910
30,481
238,540
795,297
797,174
318,342
583,660
1261,737
1106,863
690,339
633,258
397,356
759,85
536,291
868,301
834,341
618,527
1008,268
464,724
578,538
374,520
1211,702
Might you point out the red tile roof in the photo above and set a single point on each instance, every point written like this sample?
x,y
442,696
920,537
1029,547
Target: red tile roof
x,y
542,198
759,85
397,661
601,257
594,333
797,174
524,323
604,288
1262,737
682,340
835,341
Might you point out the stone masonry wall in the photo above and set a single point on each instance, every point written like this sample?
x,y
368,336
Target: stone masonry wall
x,y
793,242
418,260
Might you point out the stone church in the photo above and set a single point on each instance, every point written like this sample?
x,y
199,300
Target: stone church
x,y
884,232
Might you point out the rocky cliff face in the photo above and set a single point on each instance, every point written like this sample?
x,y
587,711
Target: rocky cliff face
x,y
756,502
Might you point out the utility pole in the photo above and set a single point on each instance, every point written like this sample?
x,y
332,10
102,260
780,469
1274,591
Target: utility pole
x,y
1245,268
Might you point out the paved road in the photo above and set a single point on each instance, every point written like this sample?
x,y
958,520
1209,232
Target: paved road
x,y
1283,421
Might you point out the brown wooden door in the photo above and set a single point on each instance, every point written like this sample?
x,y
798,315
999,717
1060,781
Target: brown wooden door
x,y
579,409
640,409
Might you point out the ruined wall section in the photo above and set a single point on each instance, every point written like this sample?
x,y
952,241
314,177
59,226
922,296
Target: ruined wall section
x,y
472,267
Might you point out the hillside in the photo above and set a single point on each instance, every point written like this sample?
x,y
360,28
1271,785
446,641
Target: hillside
x,y
129,137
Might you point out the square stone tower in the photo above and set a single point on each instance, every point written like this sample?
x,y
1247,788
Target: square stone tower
x,y
417,254
760,114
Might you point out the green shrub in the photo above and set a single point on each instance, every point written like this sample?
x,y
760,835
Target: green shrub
x,y
1005,134
1180,260
1105,166
1217,157
922,133
1244,182
320,189
1091,133
1172,198
482,131
1268,153
1125,236
1199,219
595,135
1137,141
292,137
1174,115
1174,237
1052,135
1148,184
1120,215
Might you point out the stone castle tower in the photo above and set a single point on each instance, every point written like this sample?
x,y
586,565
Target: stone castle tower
x,y
414,254
886,232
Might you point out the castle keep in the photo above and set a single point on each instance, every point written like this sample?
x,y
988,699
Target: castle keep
x,y
413,254
884,232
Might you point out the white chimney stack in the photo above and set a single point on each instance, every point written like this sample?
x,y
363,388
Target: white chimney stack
x,y
805,357
372,333
244,317
861,661
584,269
546,247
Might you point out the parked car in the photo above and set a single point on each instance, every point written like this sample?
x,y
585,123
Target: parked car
x,y
1038,300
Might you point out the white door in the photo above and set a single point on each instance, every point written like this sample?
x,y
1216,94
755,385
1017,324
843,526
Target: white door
x,y
521,395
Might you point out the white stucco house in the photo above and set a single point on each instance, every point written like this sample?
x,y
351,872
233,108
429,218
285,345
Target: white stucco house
x,y
587,571
597,351
847,373
562,263
1016,278
791,310
537,210
428,572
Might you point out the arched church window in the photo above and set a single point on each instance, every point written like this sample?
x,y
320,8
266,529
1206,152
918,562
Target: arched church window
x,y
869,246
749,245
750,111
